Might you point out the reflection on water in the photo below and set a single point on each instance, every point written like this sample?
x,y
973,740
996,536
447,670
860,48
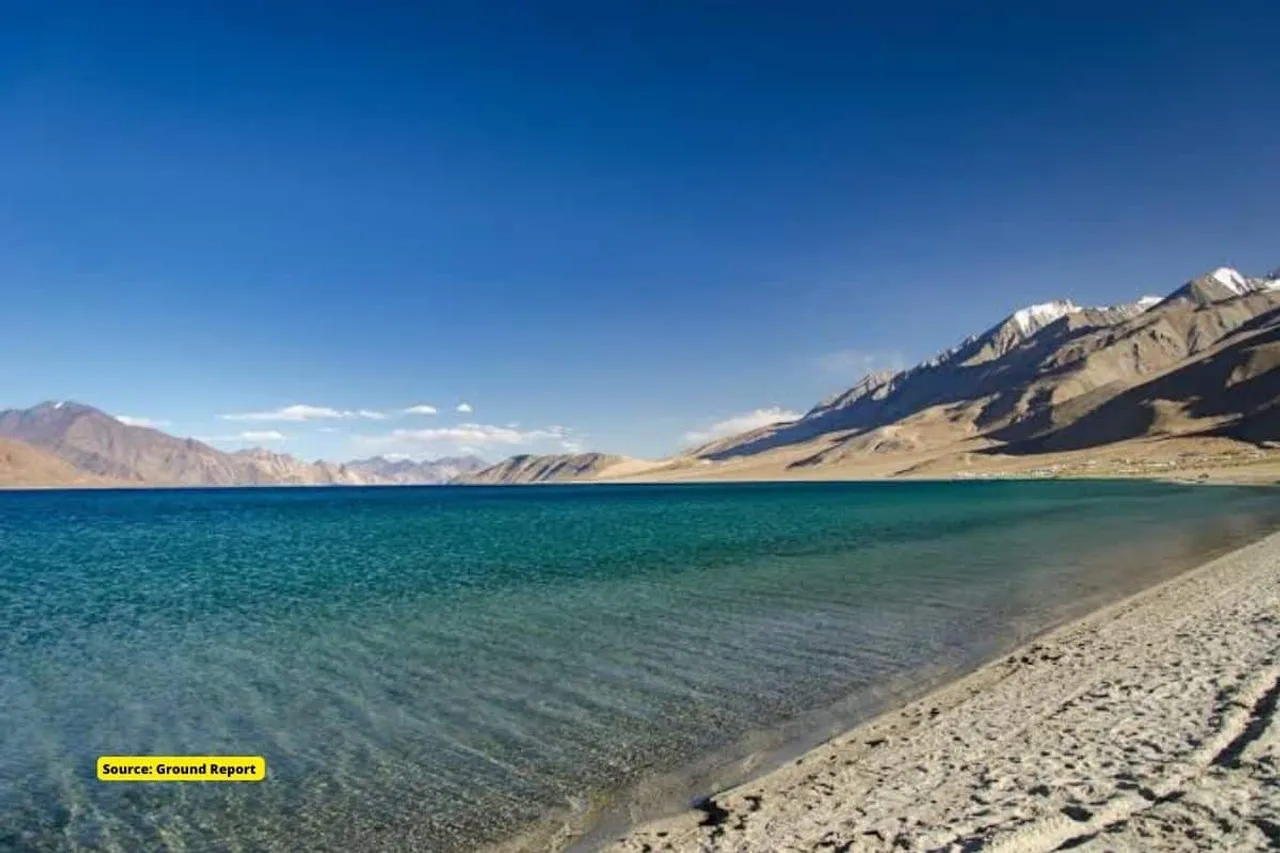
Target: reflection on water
x,y
439,668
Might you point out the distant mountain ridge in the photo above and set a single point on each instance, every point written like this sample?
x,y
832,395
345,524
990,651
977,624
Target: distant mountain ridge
x,y
403,471
1203,361
1034,373
271,468
24,466
91,447
1049,377
98,444
529,468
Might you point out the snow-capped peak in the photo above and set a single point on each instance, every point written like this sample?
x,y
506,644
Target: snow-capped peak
x,y
1132,309
1270,281
59,404
1033,318
1231,280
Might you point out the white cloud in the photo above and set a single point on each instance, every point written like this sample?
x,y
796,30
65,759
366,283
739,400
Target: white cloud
x,y
262,435
740,423
328,429
465,438
302,412
465,408
856,363
299,412
251,435
479,434
421,409
128,420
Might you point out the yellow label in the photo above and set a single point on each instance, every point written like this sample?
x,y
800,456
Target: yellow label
x,y
182,768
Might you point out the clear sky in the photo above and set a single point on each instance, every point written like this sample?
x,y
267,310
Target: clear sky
x,y
597,224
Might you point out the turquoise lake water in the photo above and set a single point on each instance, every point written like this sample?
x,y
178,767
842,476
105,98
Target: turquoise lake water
x,y
438,668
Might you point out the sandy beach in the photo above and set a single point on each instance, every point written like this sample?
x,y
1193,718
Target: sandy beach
x,y
1148,725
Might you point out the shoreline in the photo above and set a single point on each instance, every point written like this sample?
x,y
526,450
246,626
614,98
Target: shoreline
x,y
993,760
1267,481
676,797
875,786
1098,548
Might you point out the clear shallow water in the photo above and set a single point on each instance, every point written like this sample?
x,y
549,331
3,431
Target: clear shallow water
x,y
436,668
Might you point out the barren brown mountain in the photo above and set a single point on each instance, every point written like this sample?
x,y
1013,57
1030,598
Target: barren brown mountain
x,y
1052,387
100,446
412,472
81,445
24,466
1231,390
1034,372
1199,364
527,468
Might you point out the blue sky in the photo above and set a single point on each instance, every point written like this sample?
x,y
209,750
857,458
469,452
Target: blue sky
x,y
598,225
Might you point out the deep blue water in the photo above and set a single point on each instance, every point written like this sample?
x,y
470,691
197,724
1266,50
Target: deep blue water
x,y
437,668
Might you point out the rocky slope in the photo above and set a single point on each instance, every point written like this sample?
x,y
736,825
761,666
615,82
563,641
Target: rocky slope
x,y
67,443
1231,390
24,466
92,447
1030,376
98,444
407,472
1052,378
527,468
282,469
1198,365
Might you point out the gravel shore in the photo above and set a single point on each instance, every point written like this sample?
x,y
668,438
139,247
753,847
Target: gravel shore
x,y
1149,725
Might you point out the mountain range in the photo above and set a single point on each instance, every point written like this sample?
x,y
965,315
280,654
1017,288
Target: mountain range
x,y
1176,376
554,468
1172,377
407,472
71,444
